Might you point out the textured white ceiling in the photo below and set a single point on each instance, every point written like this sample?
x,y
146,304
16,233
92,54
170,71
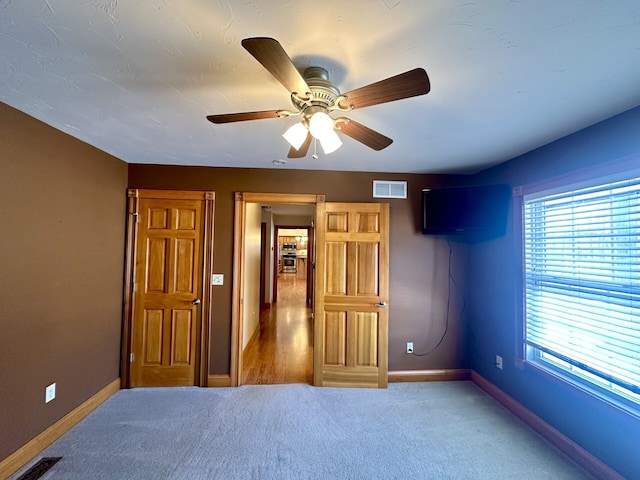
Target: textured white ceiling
x,y
137,78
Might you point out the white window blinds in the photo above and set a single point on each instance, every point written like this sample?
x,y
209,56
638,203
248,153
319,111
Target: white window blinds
x,y
582,281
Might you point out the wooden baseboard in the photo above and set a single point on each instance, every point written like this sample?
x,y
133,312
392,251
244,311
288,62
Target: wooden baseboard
x,y
571,449
24,454
444,375
219,381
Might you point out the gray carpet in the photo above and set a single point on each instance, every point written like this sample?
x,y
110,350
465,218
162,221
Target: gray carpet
x,y
445,430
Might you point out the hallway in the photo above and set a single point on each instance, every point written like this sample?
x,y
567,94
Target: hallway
x,y
282,351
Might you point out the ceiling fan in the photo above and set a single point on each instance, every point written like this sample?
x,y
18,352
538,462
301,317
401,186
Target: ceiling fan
x,y
314,98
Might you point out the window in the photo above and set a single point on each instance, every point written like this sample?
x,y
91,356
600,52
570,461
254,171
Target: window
x,y
582,285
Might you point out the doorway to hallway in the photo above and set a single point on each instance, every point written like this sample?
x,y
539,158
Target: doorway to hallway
x,y
277,346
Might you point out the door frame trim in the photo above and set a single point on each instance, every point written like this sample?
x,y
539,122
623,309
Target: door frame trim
x,y
237,310
133,196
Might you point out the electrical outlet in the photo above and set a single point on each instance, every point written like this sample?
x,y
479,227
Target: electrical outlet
x,y
409,347
499,362
50,393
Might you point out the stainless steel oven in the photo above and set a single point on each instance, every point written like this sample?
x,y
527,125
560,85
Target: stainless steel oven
x,y
289,263
288,255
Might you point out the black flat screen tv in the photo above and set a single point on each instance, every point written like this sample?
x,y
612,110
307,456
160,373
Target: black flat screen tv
x,y
477,212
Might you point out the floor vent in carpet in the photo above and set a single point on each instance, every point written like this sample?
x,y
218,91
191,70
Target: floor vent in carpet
x,y
39,469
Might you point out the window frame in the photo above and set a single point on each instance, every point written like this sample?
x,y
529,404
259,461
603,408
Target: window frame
x,y
625,169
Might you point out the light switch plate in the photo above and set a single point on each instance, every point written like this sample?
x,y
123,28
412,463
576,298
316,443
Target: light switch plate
x,y
217,279
50,393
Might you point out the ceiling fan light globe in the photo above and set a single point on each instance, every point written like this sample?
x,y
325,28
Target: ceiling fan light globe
x,y
330,142
296,134
320,125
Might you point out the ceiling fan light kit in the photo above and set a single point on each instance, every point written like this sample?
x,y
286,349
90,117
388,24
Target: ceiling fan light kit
x,y
317,123
330,142
296,135
315,97
320,124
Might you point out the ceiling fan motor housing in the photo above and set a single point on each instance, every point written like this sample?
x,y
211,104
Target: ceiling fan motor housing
x,y
324,94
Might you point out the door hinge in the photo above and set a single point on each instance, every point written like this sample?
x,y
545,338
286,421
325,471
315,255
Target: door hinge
x,y
136,215
131,357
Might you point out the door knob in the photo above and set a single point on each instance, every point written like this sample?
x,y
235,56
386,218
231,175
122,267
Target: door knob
x,y
382,304
196,301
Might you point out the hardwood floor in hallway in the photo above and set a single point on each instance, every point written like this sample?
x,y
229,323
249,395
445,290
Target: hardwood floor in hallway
x,y
282,351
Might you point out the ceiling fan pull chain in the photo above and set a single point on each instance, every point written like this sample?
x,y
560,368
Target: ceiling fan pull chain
x,y
315,152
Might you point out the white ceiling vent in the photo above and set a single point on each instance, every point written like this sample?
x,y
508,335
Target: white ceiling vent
x,y
389,189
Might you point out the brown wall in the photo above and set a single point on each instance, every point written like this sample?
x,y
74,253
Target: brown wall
x,y
62,205
62,218
418,264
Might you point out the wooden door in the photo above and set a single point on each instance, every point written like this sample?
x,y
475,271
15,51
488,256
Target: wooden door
x,y
168,289
352,289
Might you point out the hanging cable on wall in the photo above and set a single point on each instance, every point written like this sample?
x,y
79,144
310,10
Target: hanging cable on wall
x,y
450,279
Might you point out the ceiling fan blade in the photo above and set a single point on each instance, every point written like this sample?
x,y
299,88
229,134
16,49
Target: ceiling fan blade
x,y
241,117
302,151
272,56
408,84
359,132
